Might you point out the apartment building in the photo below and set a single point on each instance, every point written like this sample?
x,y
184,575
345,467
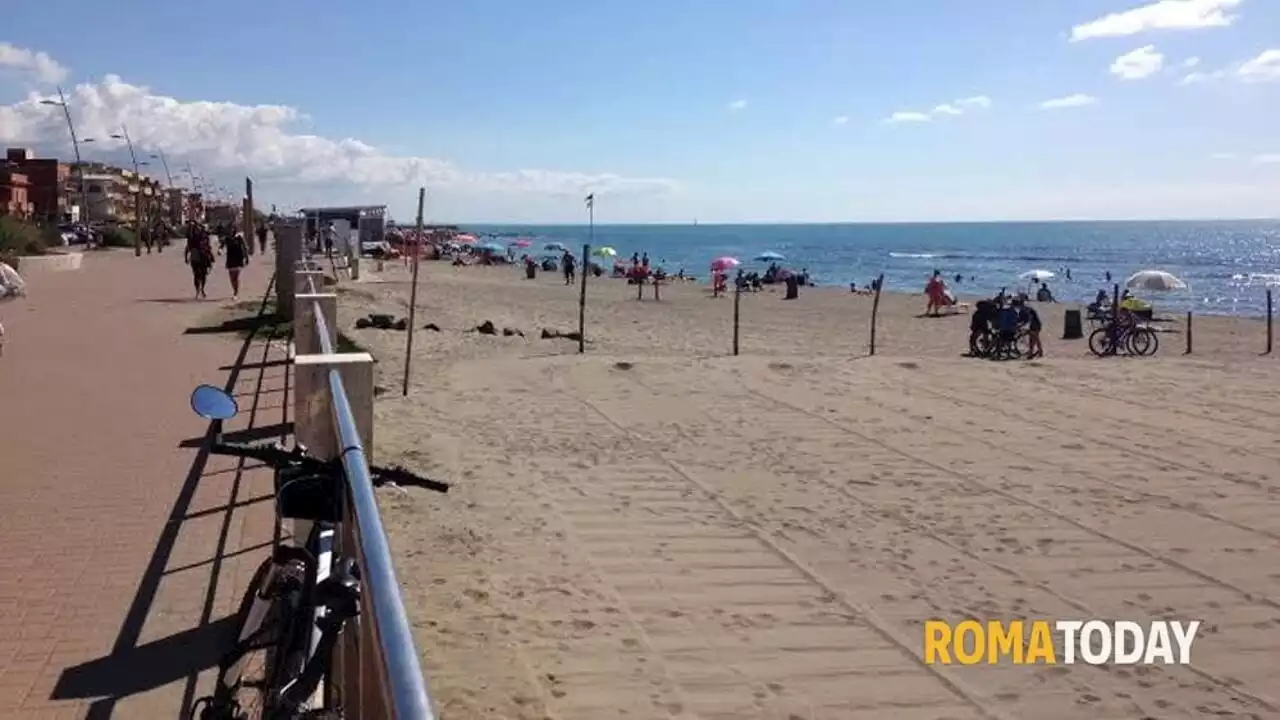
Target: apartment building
x,y
53,196
14,198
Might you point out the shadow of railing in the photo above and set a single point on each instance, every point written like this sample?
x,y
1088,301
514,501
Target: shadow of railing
x,y
129,668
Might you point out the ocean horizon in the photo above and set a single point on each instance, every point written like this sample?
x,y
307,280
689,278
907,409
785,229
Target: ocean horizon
x,y
1228,264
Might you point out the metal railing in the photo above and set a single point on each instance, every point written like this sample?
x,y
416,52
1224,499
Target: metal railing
x,y
384,678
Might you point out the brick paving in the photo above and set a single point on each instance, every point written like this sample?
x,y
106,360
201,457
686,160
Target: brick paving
x,y
123,552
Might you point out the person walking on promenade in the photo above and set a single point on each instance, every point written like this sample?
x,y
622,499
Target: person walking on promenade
x,y
199,255
262,237
237,258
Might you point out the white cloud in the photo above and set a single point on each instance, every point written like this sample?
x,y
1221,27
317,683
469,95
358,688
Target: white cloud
x,y
1263,68
1202,77
1138,64
1267,159
908,116
1068,101
736,105
1191,62
947,109
38,64
263,141
841,120
981,102
1160,15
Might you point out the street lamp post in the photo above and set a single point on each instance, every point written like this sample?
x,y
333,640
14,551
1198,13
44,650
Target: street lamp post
x,y
137,197
75,145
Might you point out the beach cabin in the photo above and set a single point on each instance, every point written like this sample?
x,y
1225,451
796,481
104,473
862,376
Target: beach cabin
x,y
356,224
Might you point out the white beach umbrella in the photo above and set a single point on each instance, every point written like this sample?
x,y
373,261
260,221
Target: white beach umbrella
x,y
1158,280
1037,275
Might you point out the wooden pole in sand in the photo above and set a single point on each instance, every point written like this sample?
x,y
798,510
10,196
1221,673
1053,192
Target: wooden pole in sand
x,y
413,290
875,310
1188,332
582,305
737,312
1270,314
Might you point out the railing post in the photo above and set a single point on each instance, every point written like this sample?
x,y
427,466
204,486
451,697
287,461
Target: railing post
x,y
288,253
313,406
306,341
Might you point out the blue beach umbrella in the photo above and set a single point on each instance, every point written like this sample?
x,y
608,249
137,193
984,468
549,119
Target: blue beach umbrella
x,y
770,256
554,247
492,247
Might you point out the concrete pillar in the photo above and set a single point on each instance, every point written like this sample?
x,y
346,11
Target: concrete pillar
x,y
313,409
353,262
288,252
305,339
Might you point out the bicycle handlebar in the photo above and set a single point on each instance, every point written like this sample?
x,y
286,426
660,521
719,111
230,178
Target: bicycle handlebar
x,y
278,458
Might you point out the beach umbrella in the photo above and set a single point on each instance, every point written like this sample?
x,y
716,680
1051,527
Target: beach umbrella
x,y
724,263
1158,280
11,283
605,251
464,238
770,256
1041,275
520,243
554,247
491,247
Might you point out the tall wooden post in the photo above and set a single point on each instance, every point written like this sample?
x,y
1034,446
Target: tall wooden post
x,y
1270,315
413,293
875,310
249,220
737,311
582,302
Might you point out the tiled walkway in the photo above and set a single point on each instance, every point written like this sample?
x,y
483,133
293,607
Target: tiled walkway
x,y
124,548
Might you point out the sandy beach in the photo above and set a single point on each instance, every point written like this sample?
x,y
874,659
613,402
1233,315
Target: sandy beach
x,y
660,530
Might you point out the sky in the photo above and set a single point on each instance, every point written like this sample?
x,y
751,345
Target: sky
x,y
673,110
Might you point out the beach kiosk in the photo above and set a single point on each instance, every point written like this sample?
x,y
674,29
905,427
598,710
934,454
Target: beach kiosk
x,y
356,225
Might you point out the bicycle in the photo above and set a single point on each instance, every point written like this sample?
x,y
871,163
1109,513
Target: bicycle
x,y
1124,334
301,597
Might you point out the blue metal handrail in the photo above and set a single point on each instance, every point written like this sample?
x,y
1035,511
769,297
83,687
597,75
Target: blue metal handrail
x,y
384,613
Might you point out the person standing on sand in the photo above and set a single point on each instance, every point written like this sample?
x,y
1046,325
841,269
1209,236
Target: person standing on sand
x,y
567,264
237,258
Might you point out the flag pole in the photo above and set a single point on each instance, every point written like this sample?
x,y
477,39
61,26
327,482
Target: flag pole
x,y
413,292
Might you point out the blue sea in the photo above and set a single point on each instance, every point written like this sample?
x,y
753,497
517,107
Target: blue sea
x,y
1227,264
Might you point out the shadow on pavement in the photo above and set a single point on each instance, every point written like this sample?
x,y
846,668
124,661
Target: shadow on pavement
x,y
131,669
149,666
252,324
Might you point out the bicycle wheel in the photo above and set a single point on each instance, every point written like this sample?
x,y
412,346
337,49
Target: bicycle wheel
x,y
1143,342
250,673
1101,342
1023,345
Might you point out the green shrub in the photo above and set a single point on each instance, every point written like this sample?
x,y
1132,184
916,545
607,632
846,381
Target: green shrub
x,y
20,238
118,237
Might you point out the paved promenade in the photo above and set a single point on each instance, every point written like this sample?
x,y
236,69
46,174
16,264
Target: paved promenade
x,y
125,546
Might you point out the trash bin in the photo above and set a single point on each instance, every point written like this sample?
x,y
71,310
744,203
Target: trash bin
x,y
1072,329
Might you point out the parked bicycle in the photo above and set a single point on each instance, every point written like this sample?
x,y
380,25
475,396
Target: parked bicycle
x,y
1124,335
301,597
